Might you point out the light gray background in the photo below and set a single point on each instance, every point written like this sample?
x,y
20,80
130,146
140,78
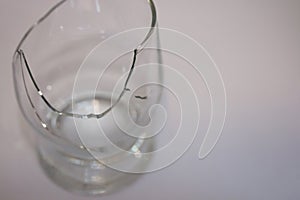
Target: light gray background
x,y
256,45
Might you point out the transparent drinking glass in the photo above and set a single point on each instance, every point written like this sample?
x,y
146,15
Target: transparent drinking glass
x,y
88,64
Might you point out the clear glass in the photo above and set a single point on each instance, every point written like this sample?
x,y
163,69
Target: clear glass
x,y
66,69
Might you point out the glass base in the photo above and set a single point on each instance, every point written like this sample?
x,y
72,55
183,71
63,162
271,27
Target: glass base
x,y
105,180
75,169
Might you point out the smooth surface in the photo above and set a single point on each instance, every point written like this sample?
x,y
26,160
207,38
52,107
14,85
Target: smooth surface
x,y
256,45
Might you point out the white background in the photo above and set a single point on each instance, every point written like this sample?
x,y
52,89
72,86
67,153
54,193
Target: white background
x,y
256,45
